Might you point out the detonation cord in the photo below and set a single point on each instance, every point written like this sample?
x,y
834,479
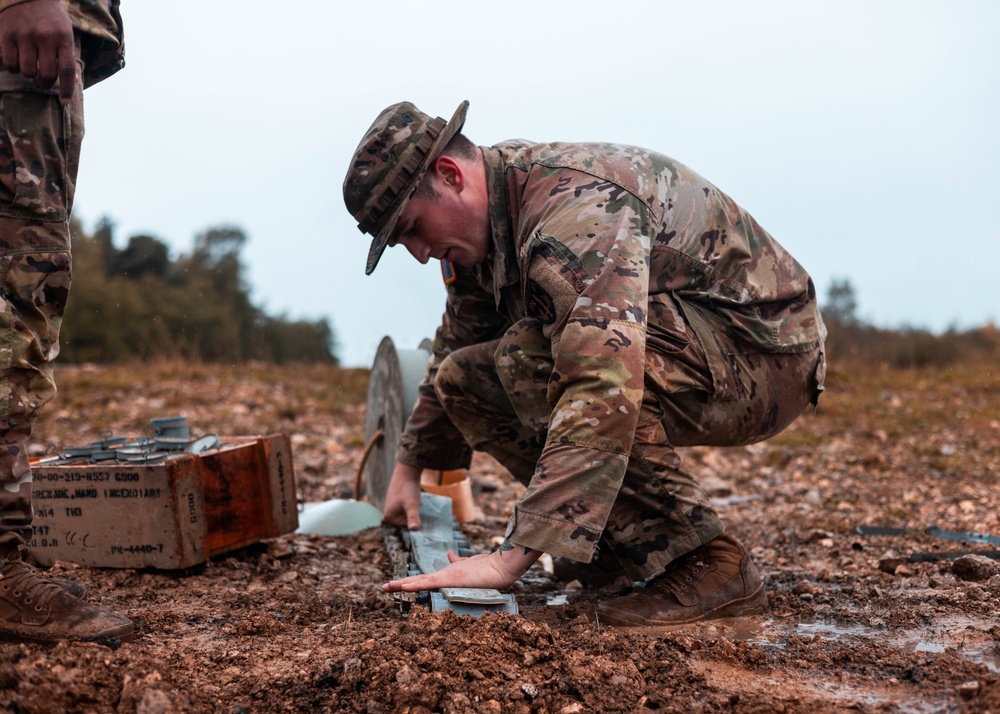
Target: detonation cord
x,y
376,438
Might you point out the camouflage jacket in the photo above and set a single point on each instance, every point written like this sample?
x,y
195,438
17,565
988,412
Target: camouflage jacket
x,y
601,243
102,39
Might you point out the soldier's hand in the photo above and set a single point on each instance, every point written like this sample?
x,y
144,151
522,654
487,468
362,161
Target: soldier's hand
x,y
36,40
498,570
402,499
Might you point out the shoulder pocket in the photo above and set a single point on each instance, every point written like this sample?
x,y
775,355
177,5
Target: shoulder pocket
x,y
558,256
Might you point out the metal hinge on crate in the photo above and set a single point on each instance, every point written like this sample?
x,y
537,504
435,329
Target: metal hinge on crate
x,y
426,550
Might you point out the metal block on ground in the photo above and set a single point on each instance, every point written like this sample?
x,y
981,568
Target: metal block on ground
x,y
429,548
440,603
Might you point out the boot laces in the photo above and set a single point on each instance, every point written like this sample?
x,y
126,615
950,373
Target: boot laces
x,y
683,574
25,584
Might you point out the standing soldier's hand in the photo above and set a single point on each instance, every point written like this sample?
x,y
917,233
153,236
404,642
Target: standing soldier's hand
x,y
36,40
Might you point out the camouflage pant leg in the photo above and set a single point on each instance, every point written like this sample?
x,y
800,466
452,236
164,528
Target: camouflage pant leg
x,y
661,512
39,155
496,394
472,394
773,390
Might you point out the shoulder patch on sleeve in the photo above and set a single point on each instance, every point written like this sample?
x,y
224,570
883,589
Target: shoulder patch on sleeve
x,y
540,304
447,272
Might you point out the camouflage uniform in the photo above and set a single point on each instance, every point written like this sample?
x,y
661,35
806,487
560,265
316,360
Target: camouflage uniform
x,y
628,307
39,156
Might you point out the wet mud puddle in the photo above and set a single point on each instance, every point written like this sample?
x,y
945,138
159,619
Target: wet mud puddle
x,y
967,636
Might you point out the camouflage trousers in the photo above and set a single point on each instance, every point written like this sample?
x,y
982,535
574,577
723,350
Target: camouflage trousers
x,y
660,512
39,156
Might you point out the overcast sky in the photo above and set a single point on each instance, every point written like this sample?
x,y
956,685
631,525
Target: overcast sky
x,y
862,134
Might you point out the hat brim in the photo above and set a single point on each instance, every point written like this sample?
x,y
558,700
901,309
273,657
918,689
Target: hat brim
x,y
381,239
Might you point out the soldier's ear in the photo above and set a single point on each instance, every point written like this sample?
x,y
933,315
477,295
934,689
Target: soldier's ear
x,y
450,172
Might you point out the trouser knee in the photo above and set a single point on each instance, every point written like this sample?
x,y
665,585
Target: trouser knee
x,y
524,366
468,374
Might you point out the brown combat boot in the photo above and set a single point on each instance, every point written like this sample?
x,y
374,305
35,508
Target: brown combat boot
x,y
716,580
71,586
34,608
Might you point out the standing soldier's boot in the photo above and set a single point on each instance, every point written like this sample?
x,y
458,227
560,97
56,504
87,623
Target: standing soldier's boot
x,y
34,608
716,580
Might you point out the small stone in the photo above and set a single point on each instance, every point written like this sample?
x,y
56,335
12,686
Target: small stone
x,y
405,675
154,701
889,565
967,690
818,535
804,587
974,568
529,690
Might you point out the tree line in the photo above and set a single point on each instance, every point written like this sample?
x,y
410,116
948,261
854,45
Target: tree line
x,y
852,338
137,303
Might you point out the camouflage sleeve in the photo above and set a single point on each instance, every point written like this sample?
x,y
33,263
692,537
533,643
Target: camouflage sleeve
x,y
430,440
587,283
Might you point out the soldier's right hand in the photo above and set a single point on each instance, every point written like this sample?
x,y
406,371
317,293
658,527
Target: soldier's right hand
x,y
402,499
36,40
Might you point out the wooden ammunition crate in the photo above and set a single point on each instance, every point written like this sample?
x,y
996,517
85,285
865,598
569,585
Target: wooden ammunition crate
x,y
169,515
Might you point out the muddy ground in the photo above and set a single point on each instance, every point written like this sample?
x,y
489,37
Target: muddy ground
x,y
299,623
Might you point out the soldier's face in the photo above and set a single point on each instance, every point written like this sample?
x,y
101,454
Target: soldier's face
x,y
449,224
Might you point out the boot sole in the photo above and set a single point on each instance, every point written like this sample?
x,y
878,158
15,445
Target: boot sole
x,y
753,604
110,637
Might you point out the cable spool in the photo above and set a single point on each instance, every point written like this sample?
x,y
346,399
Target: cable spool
x,y
392,392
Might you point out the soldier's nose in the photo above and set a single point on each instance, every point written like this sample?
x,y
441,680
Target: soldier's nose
x,y
419,251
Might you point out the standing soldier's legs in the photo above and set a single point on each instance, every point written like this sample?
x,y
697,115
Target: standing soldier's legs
x,y
39,155
38,159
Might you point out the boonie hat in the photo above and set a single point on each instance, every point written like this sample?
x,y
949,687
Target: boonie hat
x,y
387,166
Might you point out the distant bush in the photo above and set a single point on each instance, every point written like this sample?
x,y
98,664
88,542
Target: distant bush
x,y
136,303
850,338
911,348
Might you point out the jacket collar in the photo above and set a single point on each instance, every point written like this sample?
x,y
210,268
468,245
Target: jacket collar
x,y
500,268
